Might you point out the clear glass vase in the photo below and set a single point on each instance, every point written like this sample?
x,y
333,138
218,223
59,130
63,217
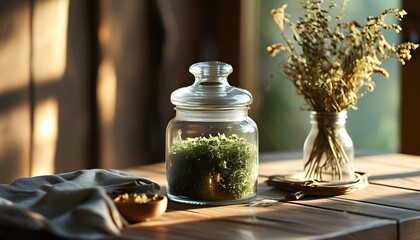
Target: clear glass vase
x,y
328,150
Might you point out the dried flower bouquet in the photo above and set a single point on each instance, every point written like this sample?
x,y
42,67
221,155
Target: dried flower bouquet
x,y
331,62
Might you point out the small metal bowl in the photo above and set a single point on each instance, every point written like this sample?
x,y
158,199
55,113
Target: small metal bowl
x,y
135,212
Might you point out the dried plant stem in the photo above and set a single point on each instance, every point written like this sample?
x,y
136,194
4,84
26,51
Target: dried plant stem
x,y
328,157
331,63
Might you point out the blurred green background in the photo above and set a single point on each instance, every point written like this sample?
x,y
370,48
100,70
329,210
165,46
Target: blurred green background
x,y
284,125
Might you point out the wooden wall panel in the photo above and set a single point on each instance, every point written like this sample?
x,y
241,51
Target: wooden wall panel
x,y
124,80
76,93
62,66
49,58
15,114
410,110
46,66
77,127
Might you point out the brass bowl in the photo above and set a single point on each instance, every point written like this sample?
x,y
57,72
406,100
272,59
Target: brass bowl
x,y
135,212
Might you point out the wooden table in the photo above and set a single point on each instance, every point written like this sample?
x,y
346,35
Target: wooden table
x,y
388,208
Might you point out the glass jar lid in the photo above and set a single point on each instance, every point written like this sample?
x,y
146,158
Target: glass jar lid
x,y
211,90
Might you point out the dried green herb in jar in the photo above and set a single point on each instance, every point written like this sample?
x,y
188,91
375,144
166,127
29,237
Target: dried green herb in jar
x,y
215,168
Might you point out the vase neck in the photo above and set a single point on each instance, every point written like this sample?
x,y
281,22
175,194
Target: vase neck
x,y
329,117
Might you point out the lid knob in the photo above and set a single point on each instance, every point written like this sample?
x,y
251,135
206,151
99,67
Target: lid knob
x,y
211,90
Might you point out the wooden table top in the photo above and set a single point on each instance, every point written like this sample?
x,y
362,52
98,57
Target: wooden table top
x,y
388,208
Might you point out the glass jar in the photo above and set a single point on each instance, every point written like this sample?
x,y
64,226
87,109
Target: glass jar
x,y
212,143
328,150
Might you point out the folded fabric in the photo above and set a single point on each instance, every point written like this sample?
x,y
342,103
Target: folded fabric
x,y
74,205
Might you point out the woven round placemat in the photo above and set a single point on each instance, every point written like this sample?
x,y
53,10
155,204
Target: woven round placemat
x,y
292,183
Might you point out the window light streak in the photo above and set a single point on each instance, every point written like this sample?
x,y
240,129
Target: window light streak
x,y
45,133
48,64
107,84
106,99
14,46
49,44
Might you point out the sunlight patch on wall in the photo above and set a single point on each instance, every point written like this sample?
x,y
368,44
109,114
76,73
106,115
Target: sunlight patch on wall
x,y
49,27
48,65
13,48
45,135
107,84
106,99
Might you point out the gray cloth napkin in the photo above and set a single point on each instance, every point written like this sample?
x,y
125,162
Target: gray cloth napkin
x,y
74,205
